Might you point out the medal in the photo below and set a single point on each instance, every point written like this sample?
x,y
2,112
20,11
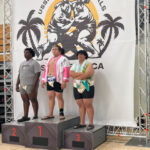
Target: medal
x,y
24,87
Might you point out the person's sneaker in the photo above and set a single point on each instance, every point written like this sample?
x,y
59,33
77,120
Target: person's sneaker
x,y
23,119
35,117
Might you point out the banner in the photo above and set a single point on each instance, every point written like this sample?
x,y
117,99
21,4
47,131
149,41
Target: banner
x,y
104,28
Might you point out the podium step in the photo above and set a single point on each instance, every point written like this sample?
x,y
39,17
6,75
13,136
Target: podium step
x,y
13,133
82,139
48,134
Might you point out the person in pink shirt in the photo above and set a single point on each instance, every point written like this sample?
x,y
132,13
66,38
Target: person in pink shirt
x,y
55,77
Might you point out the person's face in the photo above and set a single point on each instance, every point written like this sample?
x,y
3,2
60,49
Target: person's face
x,y
55,51
81,57
27,54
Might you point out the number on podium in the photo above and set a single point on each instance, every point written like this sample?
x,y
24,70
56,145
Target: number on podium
x,y
78,137
14,132
40,130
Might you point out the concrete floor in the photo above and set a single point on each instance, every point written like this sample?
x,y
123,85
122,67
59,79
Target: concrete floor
x,y
112,143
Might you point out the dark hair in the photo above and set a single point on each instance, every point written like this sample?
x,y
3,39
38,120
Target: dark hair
x,y
83,52
62,51
31,51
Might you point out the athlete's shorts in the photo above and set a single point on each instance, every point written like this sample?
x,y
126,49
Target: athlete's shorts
x,y
56,87
26,89
85,94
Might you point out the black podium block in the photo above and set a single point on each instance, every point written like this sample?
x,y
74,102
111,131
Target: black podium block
x,y
48,134
13,133
82,139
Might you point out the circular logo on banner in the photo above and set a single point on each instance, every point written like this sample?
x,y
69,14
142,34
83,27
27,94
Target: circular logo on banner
x,y
73,24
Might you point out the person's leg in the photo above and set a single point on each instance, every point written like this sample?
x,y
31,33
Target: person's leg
x,y
35,106
26,104
88,103
34,101
51,95
82,111
60,99
59,95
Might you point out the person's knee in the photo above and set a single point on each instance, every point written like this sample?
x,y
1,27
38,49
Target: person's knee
x,y
51,96
59,97
34,100
80,104
25,101
88,105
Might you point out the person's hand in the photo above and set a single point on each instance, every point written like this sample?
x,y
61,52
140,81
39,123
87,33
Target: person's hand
x,y
17,88
33,90
63,85
79,75
78,78
43,84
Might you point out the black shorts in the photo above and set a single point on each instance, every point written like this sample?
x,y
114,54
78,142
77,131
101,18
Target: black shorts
x,y
85,94
56,88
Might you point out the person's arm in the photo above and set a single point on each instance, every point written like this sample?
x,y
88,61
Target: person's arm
x,y
74,74
37,71
89,72
36,79
17,83
66,73
44,75
43,81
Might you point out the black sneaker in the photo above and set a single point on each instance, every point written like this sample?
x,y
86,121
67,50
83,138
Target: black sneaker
x,y
23,119
35,117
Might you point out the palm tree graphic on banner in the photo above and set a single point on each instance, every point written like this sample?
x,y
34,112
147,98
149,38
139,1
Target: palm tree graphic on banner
x,y
31,24
109,25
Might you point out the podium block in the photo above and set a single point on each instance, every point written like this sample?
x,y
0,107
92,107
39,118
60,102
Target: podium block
x,y
13,133
48,134
82,139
